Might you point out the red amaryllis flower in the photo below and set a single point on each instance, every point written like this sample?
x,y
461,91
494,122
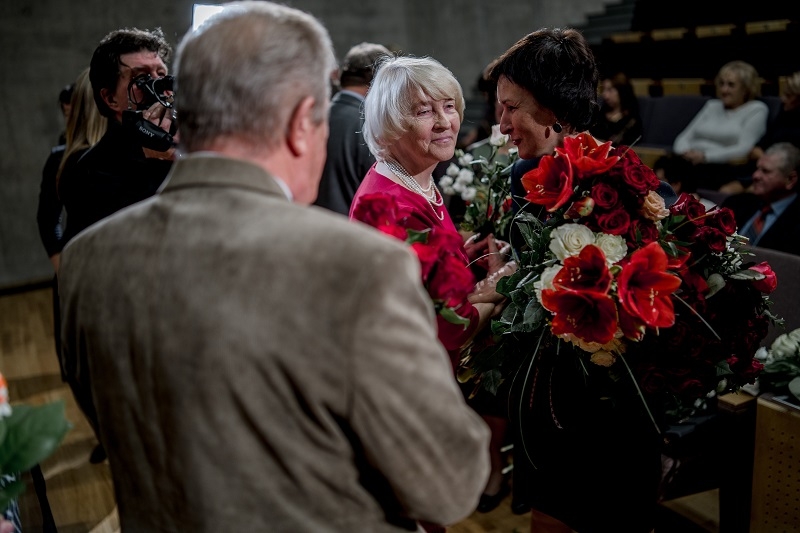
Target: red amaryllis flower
x,y
770,281
550,184
589,315
586,271
645,288
588,158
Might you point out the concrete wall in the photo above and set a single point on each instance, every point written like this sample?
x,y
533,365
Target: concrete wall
x,y
46,43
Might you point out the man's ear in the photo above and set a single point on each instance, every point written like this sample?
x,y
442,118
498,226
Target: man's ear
x,y
301,126
110,98
791,181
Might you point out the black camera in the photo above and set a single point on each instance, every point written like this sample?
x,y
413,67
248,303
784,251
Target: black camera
x,y
153,90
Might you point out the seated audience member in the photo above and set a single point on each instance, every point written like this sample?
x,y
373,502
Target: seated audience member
x,y
713,148
349,158
618,120
769,214
242,385
785,127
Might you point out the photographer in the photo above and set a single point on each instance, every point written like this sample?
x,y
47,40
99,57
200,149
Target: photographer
x,y
127,74
125,166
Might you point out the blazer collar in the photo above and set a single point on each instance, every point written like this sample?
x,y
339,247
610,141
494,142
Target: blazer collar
x,y
207,169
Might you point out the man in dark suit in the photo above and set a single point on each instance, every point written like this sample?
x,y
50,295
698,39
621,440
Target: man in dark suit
x,y
257,364
348,156
769,213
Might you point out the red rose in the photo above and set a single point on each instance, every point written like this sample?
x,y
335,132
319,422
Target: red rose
x,y
428,256
640,179
398,232
713,238
642,232
645,288
614,222
691,207
770,280
605,195
724,220
550,184
588,158
377,209
451,281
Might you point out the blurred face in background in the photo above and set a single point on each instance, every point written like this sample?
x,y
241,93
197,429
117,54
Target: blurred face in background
x,y
770,182
609,94
731,90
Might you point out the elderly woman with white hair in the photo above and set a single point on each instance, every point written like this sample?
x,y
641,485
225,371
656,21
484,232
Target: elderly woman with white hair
x,y
412,115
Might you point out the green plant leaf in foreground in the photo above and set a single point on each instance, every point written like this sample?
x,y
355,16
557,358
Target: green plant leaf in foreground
x,y
33,433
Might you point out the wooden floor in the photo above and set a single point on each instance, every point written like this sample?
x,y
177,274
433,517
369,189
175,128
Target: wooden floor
x,y
81,495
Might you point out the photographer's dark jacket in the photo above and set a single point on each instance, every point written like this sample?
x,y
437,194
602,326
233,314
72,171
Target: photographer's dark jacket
x,y
111,175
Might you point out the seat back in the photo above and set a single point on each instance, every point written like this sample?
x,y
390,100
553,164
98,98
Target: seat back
x,y
667,117
786,298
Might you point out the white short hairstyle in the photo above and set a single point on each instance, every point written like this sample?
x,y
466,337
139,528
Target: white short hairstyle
x,y
245,70
400,83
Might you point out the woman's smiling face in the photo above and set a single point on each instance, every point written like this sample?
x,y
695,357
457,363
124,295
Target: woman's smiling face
x,y
431,136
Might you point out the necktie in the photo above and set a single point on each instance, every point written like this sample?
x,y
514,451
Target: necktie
x,y
758,223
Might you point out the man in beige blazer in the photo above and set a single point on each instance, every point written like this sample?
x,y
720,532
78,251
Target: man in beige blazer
x,y
258,364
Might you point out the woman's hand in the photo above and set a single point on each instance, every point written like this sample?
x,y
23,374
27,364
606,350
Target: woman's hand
x,y
488,253
695,157
486,290
498,255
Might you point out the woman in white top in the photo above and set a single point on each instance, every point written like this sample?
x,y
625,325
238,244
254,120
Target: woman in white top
x,y
725,130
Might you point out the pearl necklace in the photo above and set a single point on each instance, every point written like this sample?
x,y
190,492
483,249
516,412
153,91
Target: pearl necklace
x,y
430,193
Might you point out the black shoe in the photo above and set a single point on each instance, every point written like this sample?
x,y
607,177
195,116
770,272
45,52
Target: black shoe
x,y
98,455
489,502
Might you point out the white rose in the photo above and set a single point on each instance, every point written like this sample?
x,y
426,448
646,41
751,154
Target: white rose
x,y
446,181
458,187
545,280
465,160
452,170
468,194
794,335
569,239
497,138
465,176
783,347
614,247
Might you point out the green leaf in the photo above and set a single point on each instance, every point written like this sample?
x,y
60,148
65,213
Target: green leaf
x,y
491,380
453,317
9,493
794,387
34,432
417,236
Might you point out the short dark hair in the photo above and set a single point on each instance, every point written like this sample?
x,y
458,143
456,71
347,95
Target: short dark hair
x,y
104,68
65,95
358,65
558,68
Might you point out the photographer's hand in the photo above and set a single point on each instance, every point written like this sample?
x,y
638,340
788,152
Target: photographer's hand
x,y
162,117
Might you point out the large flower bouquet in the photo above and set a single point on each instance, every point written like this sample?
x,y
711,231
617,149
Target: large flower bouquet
x,y
660,297
482,181
444,275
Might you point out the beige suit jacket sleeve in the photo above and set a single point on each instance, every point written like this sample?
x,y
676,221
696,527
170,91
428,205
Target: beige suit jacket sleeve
x,y
407,409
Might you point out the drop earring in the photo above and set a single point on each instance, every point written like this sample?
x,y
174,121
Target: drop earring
x,y
557,127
